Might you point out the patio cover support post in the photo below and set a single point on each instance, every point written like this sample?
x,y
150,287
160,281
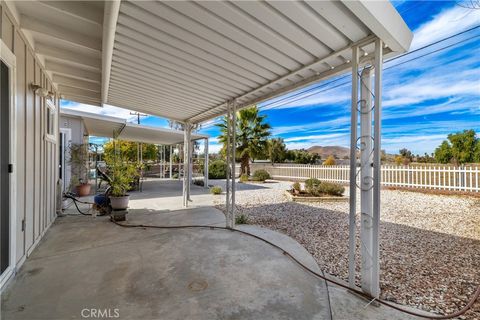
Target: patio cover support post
x,y
163,161
186,163
366,180
377,174
370,159
353,170
170,160
205,164
231,146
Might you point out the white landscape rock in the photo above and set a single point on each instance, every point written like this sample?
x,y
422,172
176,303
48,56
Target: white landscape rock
x,y
429,244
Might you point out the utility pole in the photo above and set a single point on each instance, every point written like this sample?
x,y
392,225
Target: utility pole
x,y
139,145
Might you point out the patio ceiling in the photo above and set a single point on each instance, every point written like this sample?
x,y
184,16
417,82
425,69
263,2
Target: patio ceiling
x,y
184,60
109,127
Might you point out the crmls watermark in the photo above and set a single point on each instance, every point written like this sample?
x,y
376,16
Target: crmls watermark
x,y
97,313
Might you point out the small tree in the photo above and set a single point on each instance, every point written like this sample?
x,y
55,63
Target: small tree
x,y
330,161
407,154
127,150
252,132
79,164
463,146
398,160
476,154
277,151
443,154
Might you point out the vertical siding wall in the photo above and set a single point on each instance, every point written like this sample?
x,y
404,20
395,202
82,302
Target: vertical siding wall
x,y
37,160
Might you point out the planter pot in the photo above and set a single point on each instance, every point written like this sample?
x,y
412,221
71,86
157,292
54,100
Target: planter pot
x,y
65,203
83,190
119,203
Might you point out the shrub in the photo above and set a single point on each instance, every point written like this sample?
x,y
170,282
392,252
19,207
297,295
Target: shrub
x,y
216,190
241,219
244,178
332,189
175,176
330,161
217,169
296,186
261,175
311,184
325,188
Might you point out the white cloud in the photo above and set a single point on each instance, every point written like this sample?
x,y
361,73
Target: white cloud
x,y
444,24
317,138
328,125
419,144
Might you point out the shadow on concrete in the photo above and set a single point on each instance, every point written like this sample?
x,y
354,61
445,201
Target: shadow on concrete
x,y
90,263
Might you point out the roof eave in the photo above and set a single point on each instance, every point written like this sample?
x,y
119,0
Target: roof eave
x,y
384,21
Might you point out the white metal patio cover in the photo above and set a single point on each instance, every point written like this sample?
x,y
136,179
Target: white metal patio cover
x,y
183,60
107,126
193,61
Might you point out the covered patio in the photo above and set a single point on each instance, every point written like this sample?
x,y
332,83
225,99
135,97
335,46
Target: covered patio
x,y
193,62
147,273
103,126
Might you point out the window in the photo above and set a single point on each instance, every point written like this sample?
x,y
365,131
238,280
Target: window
x,y
50,121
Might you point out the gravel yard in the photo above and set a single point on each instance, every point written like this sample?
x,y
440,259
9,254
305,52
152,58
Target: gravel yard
x,y
429,244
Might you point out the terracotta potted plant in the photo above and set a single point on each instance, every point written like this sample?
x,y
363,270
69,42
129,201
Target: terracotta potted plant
x,y
79,163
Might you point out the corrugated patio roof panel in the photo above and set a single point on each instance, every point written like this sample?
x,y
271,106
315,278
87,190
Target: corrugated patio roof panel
x,y
187,59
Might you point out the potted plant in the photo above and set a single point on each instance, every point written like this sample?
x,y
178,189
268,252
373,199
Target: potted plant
x,y
79,163
122,177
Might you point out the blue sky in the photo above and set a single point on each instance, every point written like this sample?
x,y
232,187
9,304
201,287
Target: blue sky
x,y
426,95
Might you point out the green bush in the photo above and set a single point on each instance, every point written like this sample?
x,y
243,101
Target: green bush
x,y
318,188
311,184
261,175
241,219
296,186
217,169
244,178
332,189
216,190
175,176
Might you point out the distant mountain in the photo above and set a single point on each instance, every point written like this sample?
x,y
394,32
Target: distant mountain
x,y
324,152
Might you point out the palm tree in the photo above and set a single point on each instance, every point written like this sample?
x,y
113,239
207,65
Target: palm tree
x,y
277,151
251,136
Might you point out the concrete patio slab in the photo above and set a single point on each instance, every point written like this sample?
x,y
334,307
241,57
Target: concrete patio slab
x,y
87,263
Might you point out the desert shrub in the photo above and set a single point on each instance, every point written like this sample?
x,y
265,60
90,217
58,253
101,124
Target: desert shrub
x,y
216,190
244,178
311,184
330,161
332,189
297,186
326,188
241,219
217,169
261,175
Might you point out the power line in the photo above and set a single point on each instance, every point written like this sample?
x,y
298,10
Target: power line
x,y
347,82
298,94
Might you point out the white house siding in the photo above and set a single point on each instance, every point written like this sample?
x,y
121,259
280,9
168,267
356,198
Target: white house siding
x,y
36,158
77,126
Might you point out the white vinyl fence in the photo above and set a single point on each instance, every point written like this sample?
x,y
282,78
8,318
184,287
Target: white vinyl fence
x,y
425,177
